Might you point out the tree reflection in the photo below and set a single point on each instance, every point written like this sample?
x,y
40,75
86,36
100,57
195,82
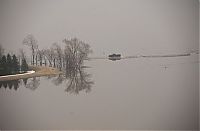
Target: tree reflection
x,y
32,83
14,84
58,80
25,81
78,80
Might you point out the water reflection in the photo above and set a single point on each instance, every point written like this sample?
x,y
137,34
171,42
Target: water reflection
x,y
74,80
31,83
58,80
14,84
78,80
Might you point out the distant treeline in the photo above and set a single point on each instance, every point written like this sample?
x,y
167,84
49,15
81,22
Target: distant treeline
x,y
10,65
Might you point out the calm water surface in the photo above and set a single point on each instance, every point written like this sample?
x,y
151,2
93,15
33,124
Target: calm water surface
x,y
144,93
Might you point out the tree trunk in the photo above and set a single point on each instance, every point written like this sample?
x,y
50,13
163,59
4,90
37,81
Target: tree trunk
x,y
45,62
54,63
33,63
36,61
40,61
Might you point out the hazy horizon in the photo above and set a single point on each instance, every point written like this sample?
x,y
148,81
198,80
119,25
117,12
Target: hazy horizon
x,y
128,27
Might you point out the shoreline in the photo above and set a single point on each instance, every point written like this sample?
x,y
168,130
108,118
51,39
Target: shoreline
x,y
38,71
21,74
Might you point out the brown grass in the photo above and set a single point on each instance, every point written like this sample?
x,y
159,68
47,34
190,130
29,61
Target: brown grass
x,y
39,71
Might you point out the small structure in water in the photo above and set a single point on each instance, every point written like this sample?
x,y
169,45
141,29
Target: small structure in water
x,y
114,57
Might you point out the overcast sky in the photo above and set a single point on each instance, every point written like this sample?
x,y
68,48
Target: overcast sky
x,y
128,27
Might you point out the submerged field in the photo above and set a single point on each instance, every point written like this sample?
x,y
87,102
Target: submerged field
x,y
126,94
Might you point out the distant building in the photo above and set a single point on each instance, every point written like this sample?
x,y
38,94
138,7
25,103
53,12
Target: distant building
x,y
114,57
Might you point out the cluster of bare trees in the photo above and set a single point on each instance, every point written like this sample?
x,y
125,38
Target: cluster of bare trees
x,y
68,58
75,52
71,55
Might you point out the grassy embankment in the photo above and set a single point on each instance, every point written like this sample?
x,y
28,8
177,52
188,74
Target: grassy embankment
x,y
39,71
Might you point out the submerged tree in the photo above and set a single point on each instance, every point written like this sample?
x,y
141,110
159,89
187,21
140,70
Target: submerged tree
x,y
30,41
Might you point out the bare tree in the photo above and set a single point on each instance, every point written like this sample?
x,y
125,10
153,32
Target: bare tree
x,y
59,55
50,55
30,41
22,54
76,52
41,56
36,58
69,54
84,50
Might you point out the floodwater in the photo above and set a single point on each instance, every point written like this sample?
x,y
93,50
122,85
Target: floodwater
x,y
137,93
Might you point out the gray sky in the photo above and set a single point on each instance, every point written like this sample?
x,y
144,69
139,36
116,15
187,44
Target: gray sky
x,y
112,26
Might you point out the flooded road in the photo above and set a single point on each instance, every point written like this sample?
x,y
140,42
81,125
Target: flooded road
x,y
144,93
